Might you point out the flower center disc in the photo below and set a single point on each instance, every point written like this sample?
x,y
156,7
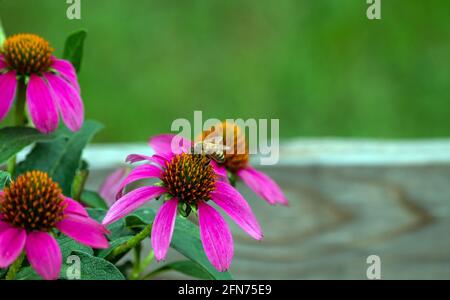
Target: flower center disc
x,y
33,202
27,54
190,178
237,157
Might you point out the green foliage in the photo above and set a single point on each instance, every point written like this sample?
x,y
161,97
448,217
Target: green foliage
x,y
14,139
186,267
73,49
5,177
93,199
61,158
94,268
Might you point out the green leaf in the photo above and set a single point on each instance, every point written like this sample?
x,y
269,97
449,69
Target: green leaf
x,y
4,179
91,268
93,199
94,268
68,245
186,267
73,49
61,158
14,139
186,240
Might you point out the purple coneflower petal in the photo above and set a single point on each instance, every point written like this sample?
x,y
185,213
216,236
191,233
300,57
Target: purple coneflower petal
x,y
131,202
157,159
111,186
68,100
2,63
220,170
216,237
263,185
8,86
42,107
140,172
163,226
73,207
12,242
162,144
84,230
231,201
67,71
44,254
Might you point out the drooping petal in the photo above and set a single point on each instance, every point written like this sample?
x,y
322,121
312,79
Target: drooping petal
x,y
12,242
42,107
216,237
170,144
232,202
263,185
44,254
220,170
67,71
163,226
68,100
157,159
138,173
110,187
84,230
8,87
73,207
131,202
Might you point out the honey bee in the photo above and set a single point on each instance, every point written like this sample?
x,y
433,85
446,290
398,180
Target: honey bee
x,y
212,148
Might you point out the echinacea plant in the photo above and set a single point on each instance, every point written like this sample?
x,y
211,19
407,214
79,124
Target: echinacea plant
x,y
188,181
30,71
31,208
47,216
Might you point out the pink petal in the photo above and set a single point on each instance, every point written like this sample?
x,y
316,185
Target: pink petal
x,y
131,202
111,186
216,237
163,226
74,207
67,71
42,107
84,230
140,172
231,201
8,87
2,63
157,159
170,144
262,185
44,254
220,170
68,100
12,242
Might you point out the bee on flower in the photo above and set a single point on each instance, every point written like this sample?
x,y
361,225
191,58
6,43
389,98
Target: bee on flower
x,y
186,180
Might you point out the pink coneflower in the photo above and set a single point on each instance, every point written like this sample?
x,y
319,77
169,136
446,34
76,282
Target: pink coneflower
x,y
52,84
188,181
30,209
237,162
111,186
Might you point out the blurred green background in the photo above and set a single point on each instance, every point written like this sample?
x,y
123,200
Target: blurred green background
x,y
320,66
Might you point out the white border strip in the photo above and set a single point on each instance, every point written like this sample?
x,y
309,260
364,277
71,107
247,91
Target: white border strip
x,y
328,151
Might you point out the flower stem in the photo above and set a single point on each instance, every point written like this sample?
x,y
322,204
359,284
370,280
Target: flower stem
x,y
131,243
79,183
19,118
137,262
15,267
